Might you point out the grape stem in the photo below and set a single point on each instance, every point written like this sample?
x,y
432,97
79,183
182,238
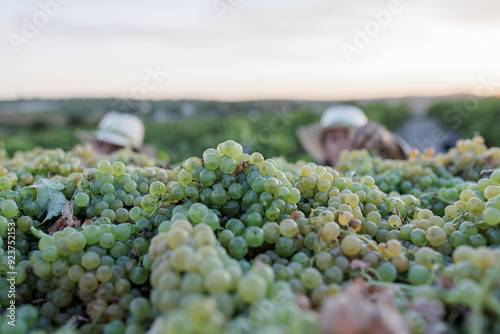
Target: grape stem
x,y
434,195
374,272
371,243
459,216
155,210
37,233
391,285
488,283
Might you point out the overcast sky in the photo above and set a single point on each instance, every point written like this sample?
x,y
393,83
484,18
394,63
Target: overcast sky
x,y
246,49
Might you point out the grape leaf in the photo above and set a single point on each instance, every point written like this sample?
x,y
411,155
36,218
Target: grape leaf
x,y
66,220
49,197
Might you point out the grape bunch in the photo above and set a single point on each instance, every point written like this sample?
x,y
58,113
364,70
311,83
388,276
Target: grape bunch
x,y
230,242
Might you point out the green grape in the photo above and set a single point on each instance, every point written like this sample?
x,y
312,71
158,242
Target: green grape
x,y
232,149
82,199
218,281
219,196
468,228
197,211
238,247
91,260
350,245
273,213
426,256
138,275
104,166
140,308
333,275
271,232
288,228
475,205
5,183
76,242
228,165
251,288
9,209
157,188
330,231
212,220
235,191
24,223
185,177
458,238
394,221
193,163
148,203
211,161
491,216
88,282
122,232
311,278
436,236
284,247
254,236
387,272
50,253
294,196
117,168
418,274
92,234
207,177
417,237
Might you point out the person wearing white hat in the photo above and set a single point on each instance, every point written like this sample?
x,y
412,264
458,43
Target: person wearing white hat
x,y
117,130
345,127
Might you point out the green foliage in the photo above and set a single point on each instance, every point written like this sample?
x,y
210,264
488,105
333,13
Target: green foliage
x,y
272,134
392,117
468,116
272,131
52,137
49,197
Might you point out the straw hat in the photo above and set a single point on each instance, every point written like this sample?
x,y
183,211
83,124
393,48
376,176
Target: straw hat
x,y
333,117
120,129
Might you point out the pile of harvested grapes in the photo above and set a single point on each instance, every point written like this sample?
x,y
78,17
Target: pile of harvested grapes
x,y
236,243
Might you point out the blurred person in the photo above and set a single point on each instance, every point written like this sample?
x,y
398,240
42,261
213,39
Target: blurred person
x,y
345,127
116,131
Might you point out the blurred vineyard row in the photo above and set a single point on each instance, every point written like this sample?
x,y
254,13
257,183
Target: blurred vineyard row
x,y
271,131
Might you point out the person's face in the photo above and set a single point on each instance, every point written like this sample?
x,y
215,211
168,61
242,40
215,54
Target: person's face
x,y
335,141
106,148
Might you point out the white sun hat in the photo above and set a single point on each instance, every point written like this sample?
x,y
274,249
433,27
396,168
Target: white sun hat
x,y
333,117
120,129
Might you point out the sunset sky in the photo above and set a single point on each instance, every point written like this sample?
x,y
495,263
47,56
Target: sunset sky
x,y
252,49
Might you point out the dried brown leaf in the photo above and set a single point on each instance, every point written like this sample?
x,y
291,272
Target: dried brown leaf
x,y
241,167
37,302
354,312
396,211
295,215
78,319
358,264
88,221
302,301
66,220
